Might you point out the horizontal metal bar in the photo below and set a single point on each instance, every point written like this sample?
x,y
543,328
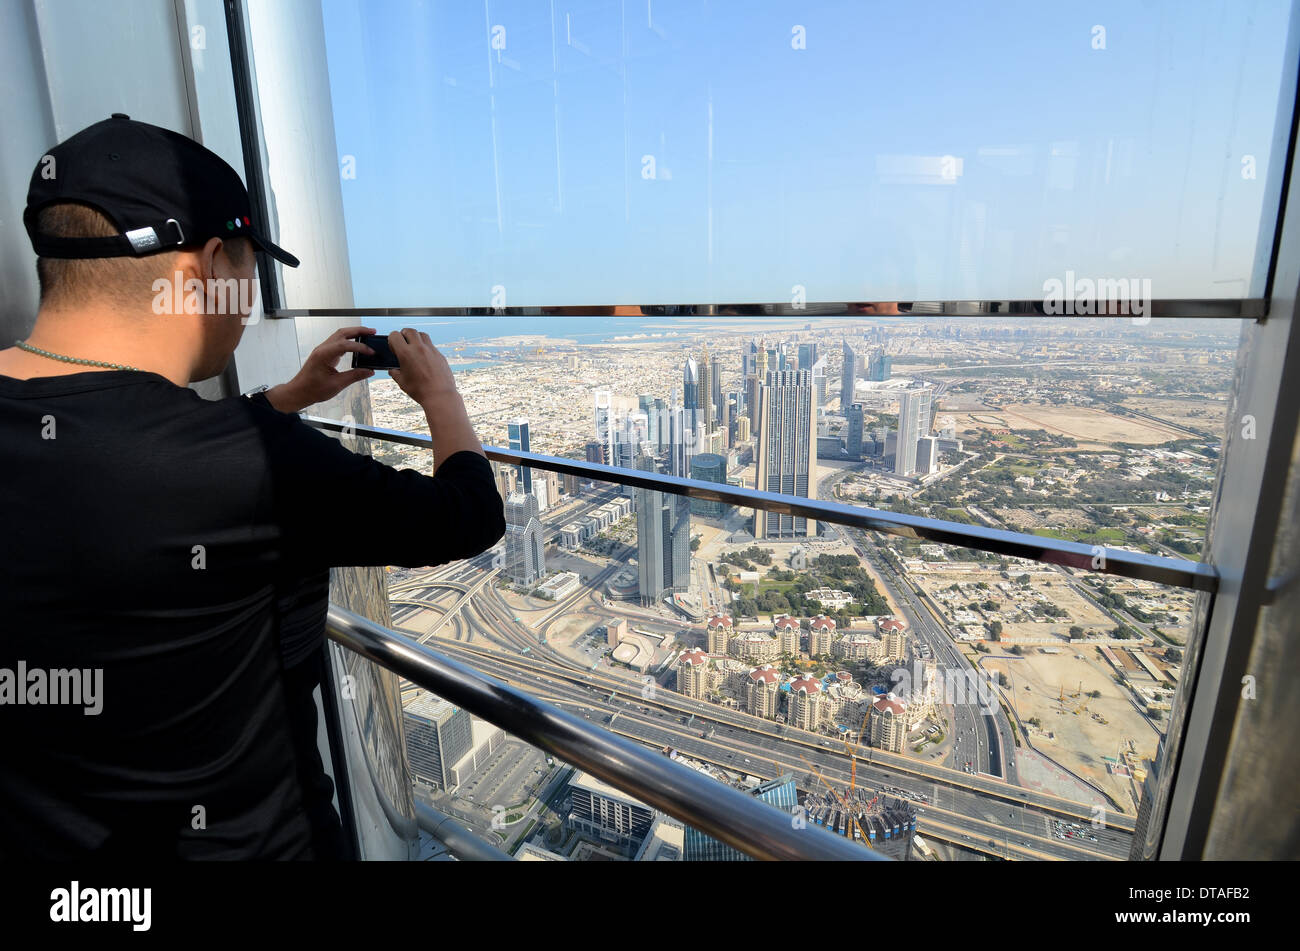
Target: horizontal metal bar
x,y
1175,572
731,816
1236,307
459,842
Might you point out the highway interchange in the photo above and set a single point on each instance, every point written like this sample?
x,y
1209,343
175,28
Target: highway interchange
x,y
983,813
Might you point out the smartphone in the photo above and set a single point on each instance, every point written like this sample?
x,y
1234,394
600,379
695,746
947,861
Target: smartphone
x,y
381,359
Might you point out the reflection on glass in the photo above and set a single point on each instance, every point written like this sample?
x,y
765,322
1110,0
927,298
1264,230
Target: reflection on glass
x,y
886,678
535,154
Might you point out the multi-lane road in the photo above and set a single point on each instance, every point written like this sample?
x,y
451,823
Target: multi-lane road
x,y
985,813
984,740
969,811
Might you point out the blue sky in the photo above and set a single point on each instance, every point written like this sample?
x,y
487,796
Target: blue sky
x,y
775,166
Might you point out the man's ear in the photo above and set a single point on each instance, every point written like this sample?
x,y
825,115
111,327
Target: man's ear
x,y
208,258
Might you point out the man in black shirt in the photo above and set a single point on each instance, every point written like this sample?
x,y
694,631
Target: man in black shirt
x,y
164,557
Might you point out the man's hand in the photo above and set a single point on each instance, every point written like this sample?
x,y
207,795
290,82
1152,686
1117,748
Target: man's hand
x,y
426,377
425,374
319,380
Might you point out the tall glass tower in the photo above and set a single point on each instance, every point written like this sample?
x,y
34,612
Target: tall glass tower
x,y
663,539
848,376
913,423
787,450
517,432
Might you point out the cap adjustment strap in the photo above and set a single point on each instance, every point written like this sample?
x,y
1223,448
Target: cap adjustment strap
x,y
135,243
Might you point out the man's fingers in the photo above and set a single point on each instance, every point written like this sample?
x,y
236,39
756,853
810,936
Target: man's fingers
x,y
348,377
353,332
350,346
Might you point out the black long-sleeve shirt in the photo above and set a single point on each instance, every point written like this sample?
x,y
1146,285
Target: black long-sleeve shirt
x,y
147,533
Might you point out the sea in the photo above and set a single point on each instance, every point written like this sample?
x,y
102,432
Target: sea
x,y
585,330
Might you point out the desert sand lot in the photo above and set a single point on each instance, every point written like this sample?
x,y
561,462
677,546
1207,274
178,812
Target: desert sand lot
x,y
1207,415
1092,428
1079,741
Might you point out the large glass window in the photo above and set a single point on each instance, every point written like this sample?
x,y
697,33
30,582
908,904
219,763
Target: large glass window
x,y
527,154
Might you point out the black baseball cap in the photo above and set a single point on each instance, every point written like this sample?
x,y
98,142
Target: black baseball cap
x,y
163,190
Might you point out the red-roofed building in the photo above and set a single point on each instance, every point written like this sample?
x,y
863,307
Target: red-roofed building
x,y
788,634
718,633
821,631
893,636
888,728
763,692
807,705
693,674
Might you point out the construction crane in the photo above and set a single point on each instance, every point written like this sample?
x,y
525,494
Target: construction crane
x,y
853,767
852,816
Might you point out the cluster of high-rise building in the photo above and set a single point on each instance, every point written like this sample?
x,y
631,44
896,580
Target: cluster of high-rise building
x,y
777,408
877,368
739,665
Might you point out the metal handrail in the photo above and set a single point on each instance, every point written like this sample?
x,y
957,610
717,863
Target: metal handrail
x,y
1219,307
459,841
1175,572
744,823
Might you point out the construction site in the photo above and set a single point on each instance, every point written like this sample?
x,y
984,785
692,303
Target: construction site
x,y
1071,709
884,823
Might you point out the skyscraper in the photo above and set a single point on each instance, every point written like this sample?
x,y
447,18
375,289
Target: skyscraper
x,y
663,540
709,467
704,421
880,366
848,376
646,402
525,562
927,455
715,384
681,442
691,391
779,792
438,734
913,423
753,384
855,420
603,414
517,433
819,380
807,355
787,450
